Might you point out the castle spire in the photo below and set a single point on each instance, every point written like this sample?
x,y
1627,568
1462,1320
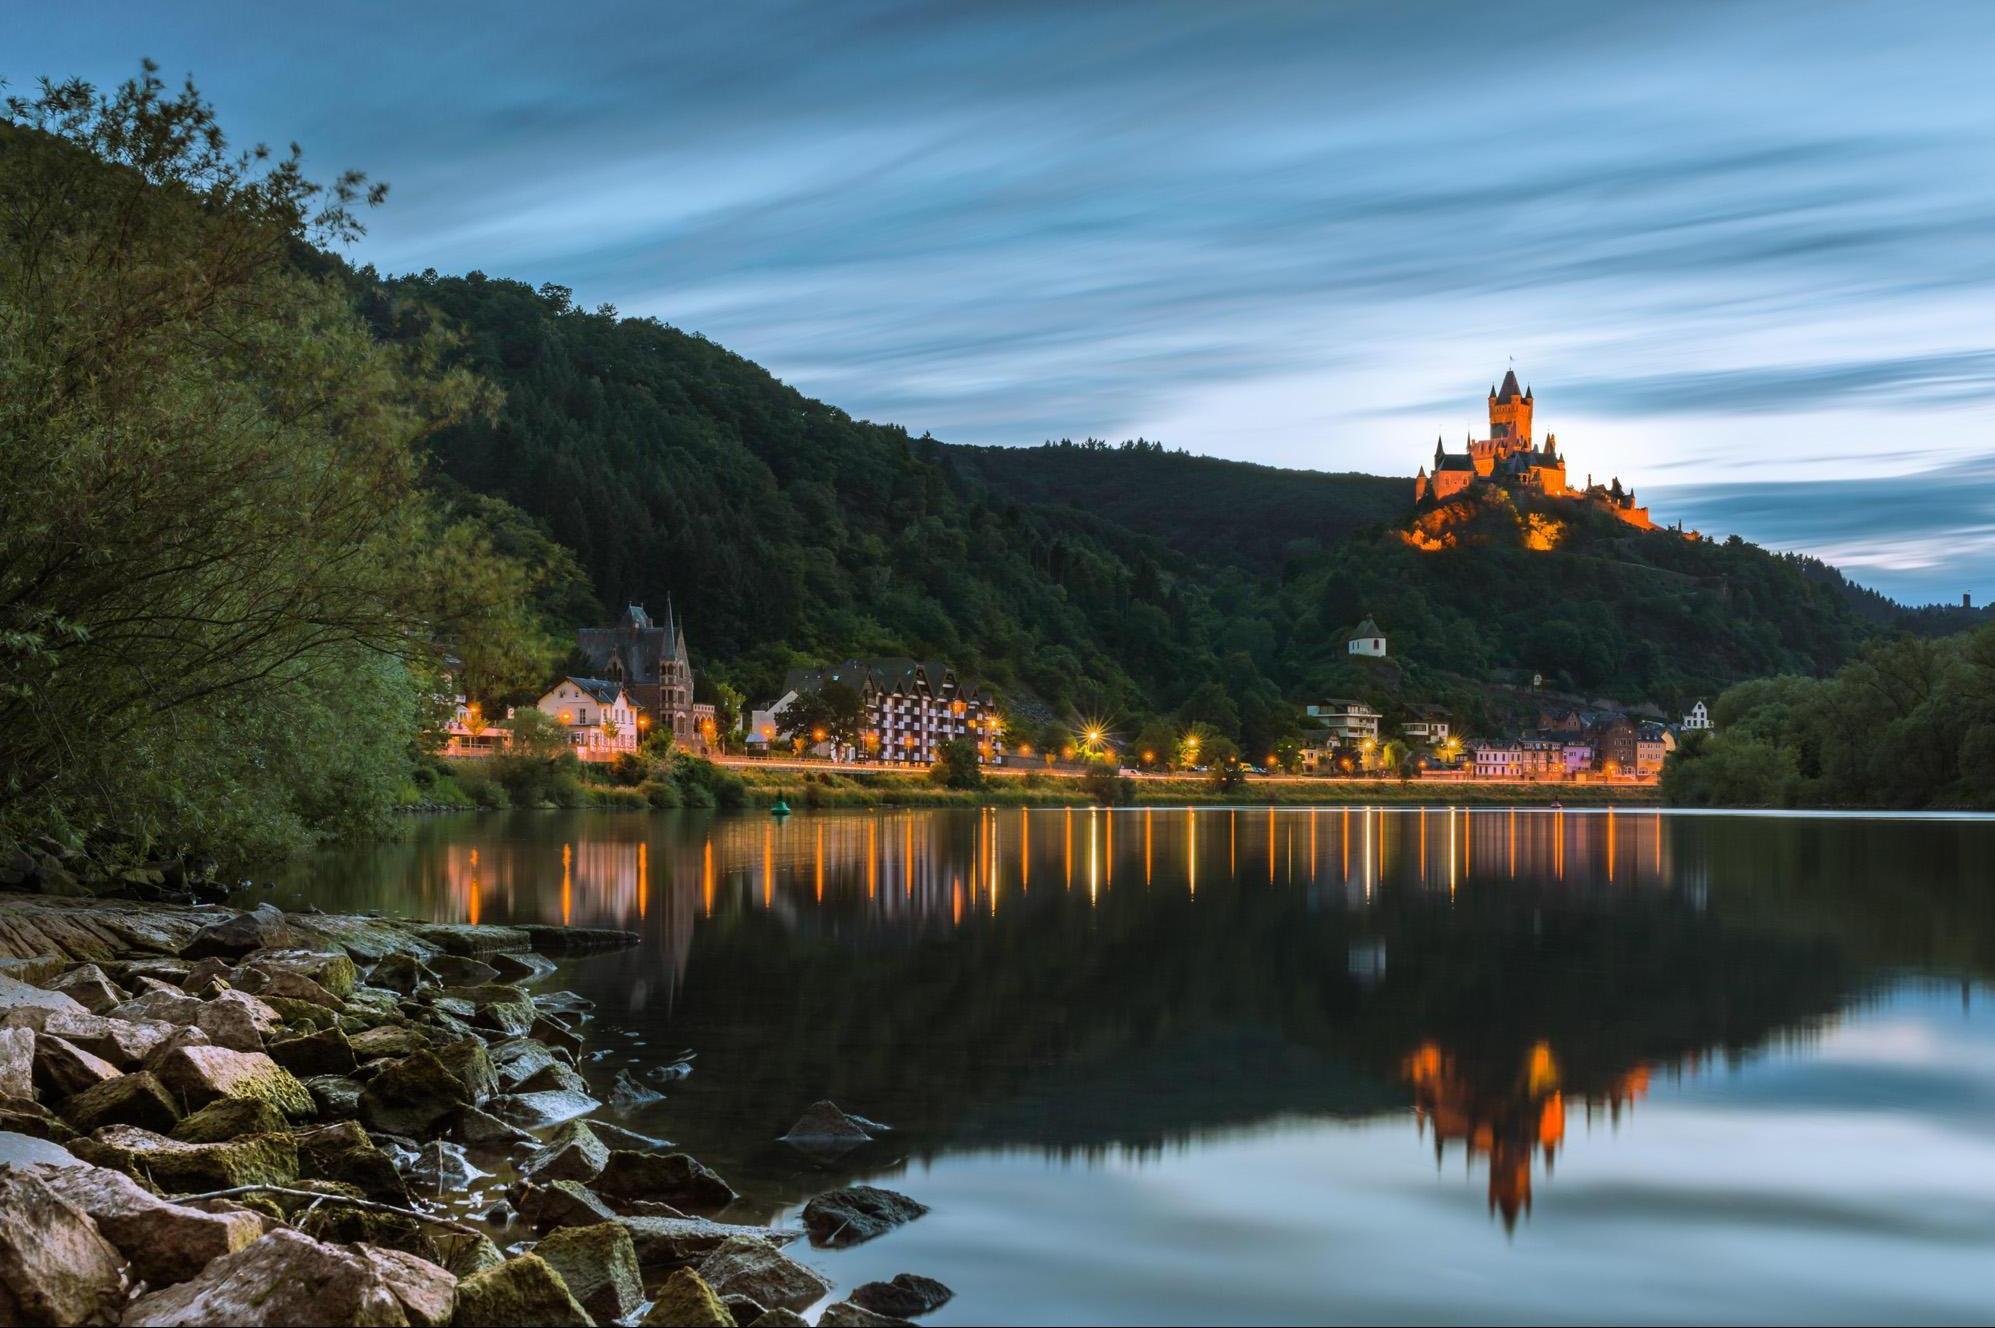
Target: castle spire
x,y
1510,391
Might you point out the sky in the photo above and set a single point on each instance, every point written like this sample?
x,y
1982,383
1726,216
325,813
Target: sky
x,y
1744,254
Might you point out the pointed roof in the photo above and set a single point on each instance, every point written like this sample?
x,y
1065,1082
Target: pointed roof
x,y
1365,629
1509,391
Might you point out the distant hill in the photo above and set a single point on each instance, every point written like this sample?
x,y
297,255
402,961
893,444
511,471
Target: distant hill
x,y
1231,513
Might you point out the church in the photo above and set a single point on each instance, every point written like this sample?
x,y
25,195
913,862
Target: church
x,y
1510,456
648,659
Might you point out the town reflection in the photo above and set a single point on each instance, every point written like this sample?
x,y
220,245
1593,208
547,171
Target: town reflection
x,y
1073,980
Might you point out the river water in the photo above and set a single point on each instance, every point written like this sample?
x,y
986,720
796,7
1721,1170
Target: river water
x,y
1304,1065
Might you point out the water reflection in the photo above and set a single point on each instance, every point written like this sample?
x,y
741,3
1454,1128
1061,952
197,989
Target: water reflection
x,y
1078,980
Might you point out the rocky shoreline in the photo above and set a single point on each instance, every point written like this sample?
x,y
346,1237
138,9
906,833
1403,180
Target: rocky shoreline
x,y
218,1117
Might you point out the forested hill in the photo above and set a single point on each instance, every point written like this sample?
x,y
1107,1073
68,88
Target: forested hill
x,y
1094,581
1232,513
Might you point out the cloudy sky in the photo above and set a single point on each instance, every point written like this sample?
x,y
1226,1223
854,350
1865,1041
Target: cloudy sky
x,y
1744,253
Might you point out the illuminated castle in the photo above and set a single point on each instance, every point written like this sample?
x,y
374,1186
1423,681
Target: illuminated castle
x,y
1510,458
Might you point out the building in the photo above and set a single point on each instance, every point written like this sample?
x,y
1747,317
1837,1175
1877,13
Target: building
x,y
599,715
1367,640
1429,725
1629,747
1511,457
649,660
910,707
1344,722
1698,718
468,732
1496,758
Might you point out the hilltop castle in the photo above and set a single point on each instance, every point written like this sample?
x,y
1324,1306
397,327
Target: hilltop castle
x,y
1509,457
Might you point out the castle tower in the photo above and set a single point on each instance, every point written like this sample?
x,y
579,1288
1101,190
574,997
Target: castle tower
x,y
1510,412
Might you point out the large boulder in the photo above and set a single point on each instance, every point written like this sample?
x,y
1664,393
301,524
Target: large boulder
x,y
536,1111
553,1075
505,1010
385,1040
266,927
561,1203
282,1278
336,1096
413,1097
63,1069
164,1242
599,1264
325,1051
183,1168
17,1062
197,1076
686,1301
482,1130
906,1296
463,971
401,973
233,1019
55,1267
518,1060
573,1152
18,1149
130,1099
468,1061
18,995
24,1115
228,1118
426,1293
857,1213
850,1314
670,1242
287,986
824,1128
331,970
754,1266
345,1154
520,1293
669,1178
88,986
125,1043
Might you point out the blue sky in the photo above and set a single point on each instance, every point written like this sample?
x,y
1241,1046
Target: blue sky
x,y
1744,253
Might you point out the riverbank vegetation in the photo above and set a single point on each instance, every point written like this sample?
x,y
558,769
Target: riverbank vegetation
x,y
1908,723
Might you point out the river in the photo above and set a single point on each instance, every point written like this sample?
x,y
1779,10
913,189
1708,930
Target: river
x,y
1304,1065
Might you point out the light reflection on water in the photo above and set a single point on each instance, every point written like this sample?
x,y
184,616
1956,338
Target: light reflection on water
x,y
1290,1051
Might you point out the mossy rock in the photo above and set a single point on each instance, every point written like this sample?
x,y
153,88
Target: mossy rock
x,y
343,1224
174,1167
523,1292
229,1118
599,1264
301,1014
686,1301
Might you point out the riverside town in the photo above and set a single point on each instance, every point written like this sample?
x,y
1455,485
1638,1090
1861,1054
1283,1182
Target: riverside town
x,y
890,663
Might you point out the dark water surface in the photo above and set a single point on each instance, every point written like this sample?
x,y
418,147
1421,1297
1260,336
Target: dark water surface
x,y
1154,1066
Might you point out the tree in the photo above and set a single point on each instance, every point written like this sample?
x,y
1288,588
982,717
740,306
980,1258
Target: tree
x,y
956,765
833,713
1225,770
1156,743
213,522
1288,753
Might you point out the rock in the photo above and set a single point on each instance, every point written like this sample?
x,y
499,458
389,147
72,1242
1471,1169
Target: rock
x,y
183,1168
286,985
344,1224
506,1010
164,1242
518,1060
178,1038
561,1203
18,995
534,1111
264,928
573,1152
519,1293
522,967
745,1309
28,1150
549,939
752,1266
331,970
686,1301
823,1125
413,1096
87,985
426,1292
857,1213
674,1241
206,988
553,1076
673,1178
344,1153
197,1076
17,1062
463,971
782,1318
282,1278
336,1096
468,1061
558,1036
63,1069
125,1043
225,1118
599,1264
482,1130
402,973
905,1297
326,1051
233,1019
616,1136
441,1168
846,1314
468,938
130,1099
24,1115
628,1092
55,1268
388,1040
465,1253
562,1003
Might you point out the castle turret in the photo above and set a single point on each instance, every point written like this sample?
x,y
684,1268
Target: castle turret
x,y
1510,410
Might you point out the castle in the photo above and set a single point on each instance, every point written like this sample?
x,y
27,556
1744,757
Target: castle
x,y
1509,457
649,661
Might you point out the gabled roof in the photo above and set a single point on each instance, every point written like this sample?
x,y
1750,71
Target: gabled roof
x,y
887,673
1365,629
602,691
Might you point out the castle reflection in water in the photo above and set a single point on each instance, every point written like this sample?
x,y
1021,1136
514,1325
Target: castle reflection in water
x,y
881,872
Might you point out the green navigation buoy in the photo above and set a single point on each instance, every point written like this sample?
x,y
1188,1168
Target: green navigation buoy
x,y
780,809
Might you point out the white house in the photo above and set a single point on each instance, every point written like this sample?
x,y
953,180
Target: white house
x,y
1698,718
601,719
1344,722
1368,640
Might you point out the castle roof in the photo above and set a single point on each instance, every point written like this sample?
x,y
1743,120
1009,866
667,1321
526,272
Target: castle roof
x,y
1509,391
